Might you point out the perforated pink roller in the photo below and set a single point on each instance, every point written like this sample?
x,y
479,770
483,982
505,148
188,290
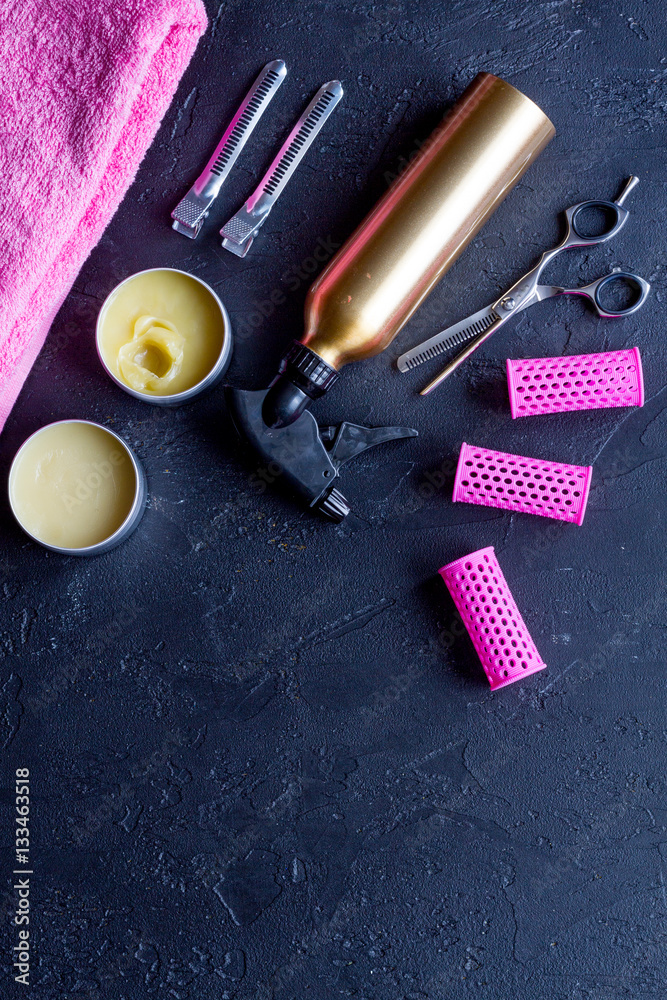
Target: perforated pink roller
x,y
513,482
582,382
493,621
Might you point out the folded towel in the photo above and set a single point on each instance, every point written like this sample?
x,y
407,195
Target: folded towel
x,y
84,85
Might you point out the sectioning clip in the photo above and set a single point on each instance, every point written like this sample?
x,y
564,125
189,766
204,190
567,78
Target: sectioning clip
x,y
191,210
239,232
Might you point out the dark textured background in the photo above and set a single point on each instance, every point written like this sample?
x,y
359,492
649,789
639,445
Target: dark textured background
x,y
264,762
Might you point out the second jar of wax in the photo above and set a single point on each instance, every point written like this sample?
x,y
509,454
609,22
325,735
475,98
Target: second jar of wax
x,y
164,336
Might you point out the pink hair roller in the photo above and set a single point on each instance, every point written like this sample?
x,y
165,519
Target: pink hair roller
x,y
581,382
514,482
493,621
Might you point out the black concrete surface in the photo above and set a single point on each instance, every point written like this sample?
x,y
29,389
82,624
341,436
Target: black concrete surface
x,y
264,760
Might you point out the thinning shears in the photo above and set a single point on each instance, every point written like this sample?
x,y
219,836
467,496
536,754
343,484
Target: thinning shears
x,y
527,290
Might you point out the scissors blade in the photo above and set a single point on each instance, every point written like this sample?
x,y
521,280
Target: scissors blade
x,y
547,291
453,335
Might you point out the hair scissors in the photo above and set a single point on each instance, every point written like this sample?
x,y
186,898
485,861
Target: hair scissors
x,y
527,290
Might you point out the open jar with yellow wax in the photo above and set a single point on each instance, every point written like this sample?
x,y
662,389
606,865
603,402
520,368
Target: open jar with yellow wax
x,y
164,336
77,488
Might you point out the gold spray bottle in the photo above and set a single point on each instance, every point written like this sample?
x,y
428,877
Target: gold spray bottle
x,y
414,234
382,273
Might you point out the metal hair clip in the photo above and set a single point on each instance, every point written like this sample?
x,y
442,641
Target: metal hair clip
x,y
191,211
239,232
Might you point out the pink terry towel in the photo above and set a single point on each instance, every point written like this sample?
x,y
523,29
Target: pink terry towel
x,y
84,85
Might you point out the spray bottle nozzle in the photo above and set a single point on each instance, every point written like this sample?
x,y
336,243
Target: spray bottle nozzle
x,y
303,376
